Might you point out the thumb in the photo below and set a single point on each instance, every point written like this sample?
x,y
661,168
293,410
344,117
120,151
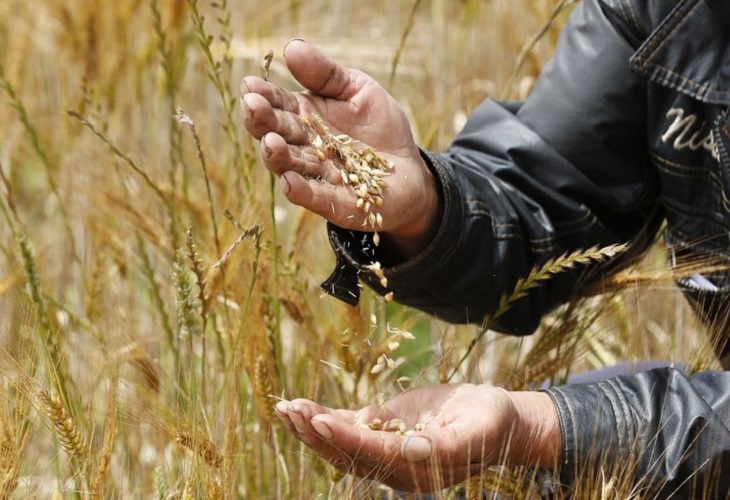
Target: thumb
x,y
416,449
317,72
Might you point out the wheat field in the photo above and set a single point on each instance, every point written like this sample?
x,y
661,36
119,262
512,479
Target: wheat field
x,y
157,294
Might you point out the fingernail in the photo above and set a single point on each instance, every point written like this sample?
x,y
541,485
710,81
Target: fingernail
x,y
292,408
293,40
244,107
285,186
322,429
244,88
266,148
282,407
284,419
416,449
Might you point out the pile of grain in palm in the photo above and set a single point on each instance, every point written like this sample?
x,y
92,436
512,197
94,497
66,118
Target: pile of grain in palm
x,y
360,167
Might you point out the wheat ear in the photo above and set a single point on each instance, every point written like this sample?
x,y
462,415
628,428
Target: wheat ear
x,y
68,433
536,277
204,447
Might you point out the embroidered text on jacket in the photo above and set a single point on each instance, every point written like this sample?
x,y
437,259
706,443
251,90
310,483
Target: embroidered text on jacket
x,y
681,129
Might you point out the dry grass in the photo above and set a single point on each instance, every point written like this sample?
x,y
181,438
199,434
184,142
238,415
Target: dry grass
x,y
157,287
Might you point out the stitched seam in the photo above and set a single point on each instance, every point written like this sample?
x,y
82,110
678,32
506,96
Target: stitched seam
x,y
626,17
705,88
661,80
574,438
686,214
682,166
671,201
703,174
676,172
633,17
566,232
613,409
683,238
584,220
507,236
668,22
587,224
588,216
628,421
506,224
547,243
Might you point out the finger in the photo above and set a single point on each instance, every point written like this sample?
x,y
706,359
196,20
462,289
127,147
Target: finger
x,y
367,415
260,118
280,157
309,409
281,411
327,200
384,456
366,446
302,411
277,97
376,455
318,73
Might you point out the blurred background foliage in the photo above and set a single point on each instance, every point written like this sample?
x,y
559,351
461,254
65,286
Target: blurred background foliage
x,y
156,293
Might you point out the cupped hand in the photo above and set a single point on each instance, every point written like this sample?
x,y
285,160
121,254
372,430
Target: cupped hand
x,y
350,102
461,430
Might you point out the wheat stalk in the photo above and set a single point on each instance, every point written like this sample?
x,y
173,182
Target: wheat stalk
x,y
148,272
181,117
174,136
118,152
535,278
530,45
57,364
404,36
12,444
110,432
18,105
554,335
12,215
229,104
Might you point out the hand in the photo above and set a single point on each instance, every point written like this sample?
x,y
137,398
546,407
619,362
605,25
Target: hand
x,y
351,103
467,429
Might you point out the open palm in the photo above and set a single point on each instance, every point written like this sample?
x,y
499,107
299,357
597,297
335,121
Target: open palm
x,y
351,103
462,429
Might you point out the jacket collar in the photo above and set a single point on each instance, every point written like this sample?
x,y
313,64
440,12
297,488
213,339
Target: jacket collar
x,y
690,52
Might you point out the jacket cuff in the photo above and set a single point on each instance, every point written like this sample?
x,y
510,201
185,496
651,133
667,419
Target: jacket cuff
x,y
597,426
355,251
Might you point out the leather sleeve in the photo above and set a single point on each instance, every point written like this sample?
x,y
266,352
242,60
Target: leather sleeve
x,y
566,170
669,430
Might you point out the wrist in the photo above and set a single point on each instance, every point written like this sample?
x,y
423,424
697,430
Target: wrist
x,y
412,238
536,436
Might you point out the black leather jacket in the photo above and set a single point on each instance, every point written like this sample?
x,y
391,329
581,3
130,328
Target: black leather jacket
x,y
627,127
